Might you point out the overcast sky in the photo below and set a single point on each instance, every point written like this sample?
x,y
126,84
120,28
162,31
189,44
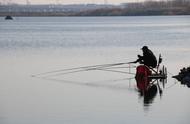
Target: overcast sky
x,y
67,1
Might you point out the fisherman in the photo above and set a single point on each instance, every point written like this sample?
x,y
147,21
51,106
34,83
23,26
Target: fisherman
x,y
148,58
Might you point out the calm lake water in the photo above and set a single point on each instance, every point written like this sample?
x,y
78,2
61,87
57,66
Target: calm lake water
x,y
33,45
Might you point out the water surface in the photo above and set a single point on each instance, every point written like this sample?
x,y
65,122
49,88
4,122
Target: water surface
x,y
32,45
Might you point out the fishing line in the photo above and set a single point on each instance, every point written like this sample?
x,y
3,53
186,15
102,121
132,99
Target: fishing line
x,y
171,85
170,73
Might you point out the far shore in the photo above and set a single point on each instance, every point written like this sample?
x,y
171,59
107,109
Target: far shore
x,y
147,8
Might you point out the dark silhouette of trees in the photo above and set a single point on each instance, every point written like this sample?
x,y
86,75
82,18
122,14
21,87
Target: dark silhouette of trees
x,y
169,7
149,7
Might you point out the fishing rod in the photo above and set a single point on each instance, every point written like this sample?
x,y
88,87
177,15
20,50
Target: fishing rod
x,y
114,71
110,69
81,68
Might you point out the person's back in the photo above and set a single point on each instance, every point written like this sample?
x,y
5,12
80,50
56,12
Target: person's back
x,y
148,58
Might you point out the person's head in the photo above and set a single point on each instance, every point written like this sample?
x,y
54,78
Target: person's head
x,y
144,48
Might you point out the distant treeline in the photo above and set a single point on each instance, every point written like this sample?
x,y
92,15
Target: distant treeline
x,y
162,7
172,7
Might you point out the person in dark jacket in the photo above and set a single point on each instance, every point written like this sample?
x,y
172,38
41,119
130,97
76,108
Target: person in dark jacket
x,y
148,58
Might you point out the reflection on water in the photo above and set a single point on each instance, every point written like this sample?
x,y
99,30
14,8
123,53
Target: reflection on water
x,y
148,83
149,95
145,87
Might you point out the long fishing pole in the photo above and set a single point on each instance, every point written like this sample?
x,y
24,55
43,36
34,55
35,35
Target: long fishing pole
x,y
115,71
83,67
88,69
66,72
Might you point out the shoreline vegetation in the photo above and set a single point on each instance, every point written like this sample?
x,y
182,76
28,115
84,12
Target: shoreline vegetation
x,y
169,7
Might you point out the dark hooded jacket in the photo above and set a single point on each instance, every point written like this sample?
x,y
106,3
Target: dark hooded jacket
x,y
148,58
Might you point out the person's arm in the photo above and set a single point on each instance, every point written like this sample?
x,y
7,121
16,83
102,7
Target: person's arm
x,y
140,58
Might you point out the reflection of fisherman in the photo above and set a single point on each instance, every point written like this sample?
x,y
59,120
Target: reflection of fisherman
x,y
148,58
